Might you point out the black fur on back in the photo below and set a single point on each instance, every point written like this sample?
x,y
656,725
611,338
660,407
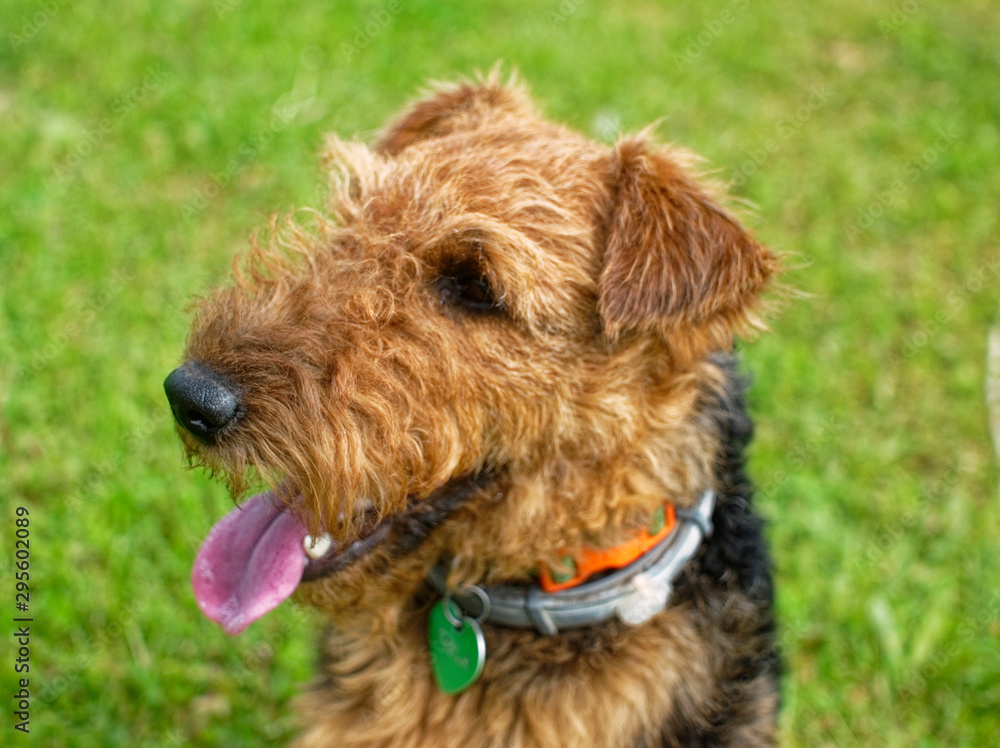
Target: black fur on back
x,y
729,585
737,545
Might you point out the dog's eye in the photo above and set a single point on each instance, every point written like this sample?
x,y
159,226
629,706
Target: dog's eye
x,y
463,284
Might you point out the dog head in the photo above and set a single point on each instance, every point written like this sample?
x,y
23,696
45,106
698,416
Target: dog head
x,y
489,348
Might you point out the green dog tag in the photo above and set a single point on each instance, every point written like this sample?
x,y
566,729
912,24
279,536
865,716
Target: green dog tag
x,y
458,649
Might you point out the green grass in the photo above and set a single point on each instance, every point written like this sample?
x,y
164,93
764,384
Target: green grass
x,y
142,142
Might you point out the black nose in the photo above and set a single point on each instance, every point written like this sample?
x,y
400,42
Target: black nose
x,y
202,401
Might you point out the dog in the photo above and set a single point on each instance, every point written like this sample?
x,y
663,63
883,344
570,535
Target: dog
x,y
491,393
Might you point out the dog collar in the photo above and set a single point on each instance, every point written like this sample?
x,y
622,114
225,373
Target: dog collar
x,y
633,594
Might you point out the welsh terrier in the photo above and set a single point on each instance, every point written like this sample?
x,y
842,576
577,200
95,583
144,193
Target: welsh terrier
x,y
490,388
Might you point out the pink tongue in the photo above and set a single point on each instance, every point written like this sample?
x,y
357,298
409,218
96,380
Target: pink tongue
x,y
251,560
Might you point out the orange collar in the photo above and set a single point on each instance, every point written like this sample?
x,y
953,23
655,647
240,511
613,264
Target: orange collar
x,y
585,563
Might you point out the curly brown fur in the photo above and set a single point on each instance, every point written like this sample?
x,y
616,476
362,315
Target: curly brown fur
x,y
504,337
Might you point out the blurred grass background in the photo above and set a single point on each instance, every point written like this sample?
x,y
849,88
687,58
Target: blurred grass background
x,y
142,142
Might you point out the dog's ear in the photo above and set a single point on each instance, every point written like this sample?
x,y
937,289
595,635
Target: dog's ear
x,y
449,109
675,262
